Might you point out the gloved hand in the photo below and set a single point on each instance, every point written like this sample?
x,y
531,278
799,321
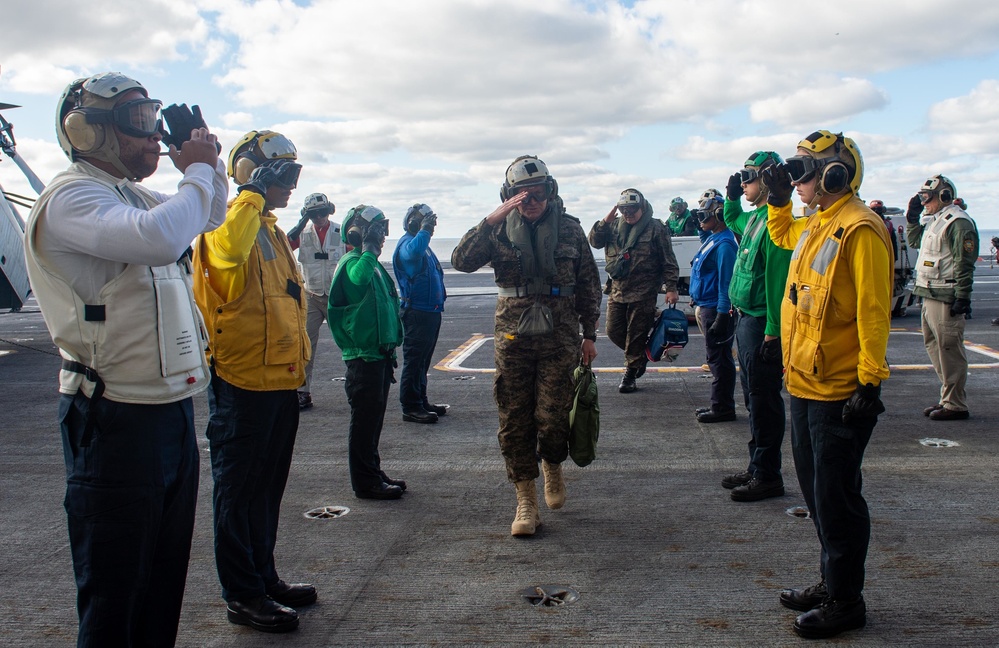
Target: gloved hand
x,y
428,223
181,120
374,238
779,182
296,231
914,210
733,191
961,306
720,330
770,352
268,174
865,403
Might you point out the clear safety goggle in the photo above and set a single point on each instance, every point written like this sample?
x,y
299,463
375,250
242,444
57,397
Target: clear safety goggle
x,y
677,207
136,118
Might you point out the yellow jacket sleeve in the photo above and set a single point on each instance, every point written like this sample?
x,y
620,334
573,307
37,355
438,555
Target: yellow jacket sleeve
x,y
871,266
784,228
229,245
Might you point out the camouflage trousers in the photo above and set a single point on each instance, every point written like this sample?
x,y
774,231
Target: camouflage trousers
x,y
628,326
533,392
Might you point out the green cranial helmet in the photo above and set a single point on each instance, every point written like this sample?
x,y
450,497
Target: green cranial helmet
x,y
677,206
356,224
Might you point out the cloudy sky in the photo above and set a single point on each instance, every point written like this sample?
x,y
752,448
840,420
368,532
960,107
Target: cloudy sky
x,y
392,102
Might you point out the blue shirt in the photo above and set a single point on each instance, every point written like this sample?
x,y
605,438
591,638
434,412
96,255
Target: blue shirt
x,y
418,273
711,271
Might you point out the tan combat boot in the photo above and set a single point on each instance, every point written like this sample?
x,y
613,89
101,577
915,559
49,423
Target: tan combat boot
x,y
554,484
528,518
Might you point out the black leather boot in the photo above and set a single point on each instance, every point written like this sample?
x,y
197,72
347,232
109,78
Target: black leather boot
x,y
628,382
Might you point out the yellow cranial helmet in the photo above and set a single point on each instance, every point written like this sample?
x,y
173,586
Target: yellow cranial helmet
x,y
834,157
255,148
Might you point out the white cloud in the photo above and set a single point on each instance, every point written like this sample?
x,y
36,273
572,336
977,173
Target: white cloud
x,y
827,102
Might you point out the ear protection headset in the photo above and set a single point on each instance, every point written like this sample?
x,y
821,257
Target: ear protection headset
x,y
83,129
83,135
415,216
356,224
834,176
942,186
255,148
528,166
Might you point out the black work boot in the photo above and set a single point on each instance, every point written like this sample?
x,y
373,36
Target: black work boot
x,y
628,382
831,618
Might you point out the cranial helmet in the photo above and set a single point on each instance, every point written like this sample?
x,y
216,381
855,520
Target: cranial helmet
x,y
756,163
356,224
941,186
835,158
677,206
631,198
877,206
255,148
710,206
708,196
634,198
317,204
527,171
415,216
87,113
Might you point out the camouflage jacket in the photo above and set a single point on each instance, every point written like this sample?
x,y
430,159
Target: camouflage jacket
x,y
574,268
653,264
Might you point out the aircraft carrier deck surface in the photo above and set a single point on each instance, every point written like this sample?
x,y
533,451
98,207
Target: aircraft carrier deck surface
x,y
657,552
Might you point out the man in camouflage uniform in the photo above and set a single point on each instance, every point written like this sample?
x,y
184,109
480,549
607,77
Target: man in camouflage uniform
x,y
549,289
640,259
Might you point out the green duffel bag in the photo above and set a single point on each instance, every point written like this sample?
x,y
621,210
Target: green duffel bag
x,y
584,419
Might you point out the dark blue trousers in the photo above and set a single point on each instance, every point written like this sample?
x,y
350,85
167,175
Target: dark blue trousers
x,y
761,387
827,458
367,386
251,435
130,502
721,363
419,341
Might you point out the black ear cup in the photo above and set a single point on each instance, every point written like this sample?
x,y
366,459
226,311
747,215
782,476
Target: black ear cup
x,y
835,178
946,196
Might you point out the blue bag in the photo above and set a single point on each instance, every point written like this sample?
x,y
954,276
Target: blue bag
x,y
668,336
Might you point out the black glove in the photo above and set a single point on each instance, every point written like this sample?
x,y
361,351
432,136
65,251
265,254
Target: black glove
x,y
296,231
181,120
734,189
915,209
865,403
267,174
720,330
428,223
374,238
770,352
961,306
778,181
